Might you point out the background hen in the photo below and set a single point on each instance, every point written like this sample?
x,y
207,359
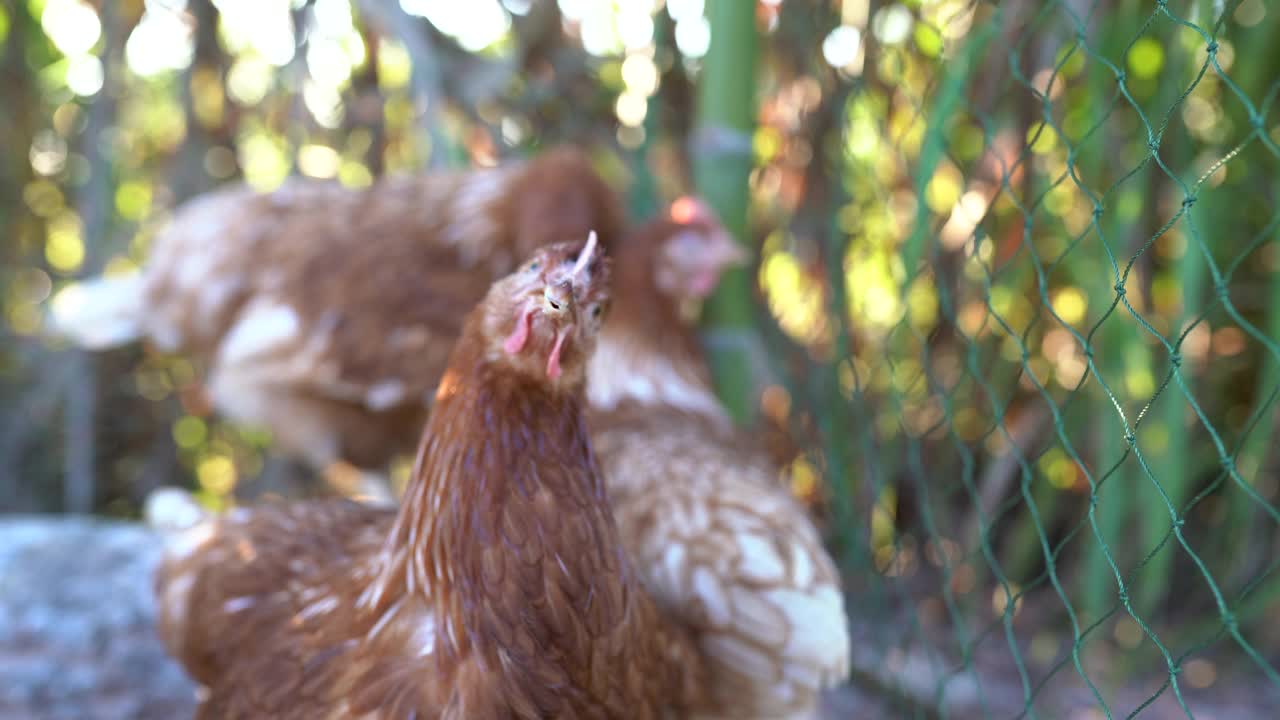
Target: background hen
x,y
500,589
720,541
326,314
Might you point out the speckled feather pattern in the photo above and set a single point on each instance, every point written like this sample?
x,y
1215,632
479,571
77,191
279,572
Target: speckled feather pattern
x,y
720,542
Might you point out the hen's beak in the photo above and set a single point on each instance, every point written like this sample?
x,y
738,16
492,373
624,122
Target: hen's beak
x,y
557,299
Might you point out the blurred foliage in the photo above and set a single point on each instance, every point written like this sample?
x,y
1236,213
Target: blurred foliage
x,y
1015,280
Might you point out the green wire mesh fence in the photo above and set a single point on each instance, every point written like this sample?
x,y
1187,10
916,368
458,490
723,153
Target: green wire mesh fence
x,y
1060,487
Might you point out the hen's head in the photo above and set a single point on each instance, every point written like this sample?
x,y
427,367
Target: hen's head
x,y
693,250
542,320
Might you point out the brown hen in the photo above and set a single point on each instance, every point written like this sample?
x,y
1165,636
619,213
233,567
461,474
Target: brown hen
x,y
501,588
720,542
326,314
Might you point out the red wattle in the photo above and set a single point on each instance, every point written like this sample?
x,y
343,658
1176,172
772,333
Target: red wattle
x,y
520,335
553,360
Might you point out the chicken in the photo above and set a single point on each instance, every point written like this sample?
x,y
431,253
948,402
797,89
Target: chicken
x,y
326,314
500,589
719,541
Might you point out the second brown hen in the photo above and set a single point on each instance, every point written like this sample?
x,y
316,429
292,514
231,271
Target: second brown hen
x,y
721,542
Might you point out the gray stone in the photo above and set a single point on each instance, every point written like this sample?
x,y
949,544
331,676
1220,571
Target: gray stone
x,y
77,636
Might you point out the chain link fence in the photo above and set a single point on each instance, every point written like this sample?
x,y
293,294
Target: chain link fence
x,y
1061,362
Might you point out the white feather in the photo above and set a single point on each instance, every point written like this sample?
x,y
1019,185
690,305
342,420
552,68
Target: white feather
x,y
171,509
263,328
820,628
100,313
384,394
617,372
760,562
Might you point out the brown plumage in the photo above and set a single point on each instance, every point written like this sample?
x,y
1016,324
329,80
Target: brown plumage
x,y
499,590
324,332
327,314
720,542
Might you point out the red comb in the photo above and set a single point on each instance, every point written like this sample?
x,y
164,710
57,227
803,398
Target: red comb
x,y
687,209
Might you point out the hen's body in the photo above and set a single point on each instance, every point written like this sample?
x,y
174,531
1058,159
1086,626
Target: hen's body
x,y
499,590
720,541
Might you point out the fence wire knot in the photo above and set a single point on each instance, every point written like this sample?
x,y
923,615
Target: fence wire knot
x,y
1229,622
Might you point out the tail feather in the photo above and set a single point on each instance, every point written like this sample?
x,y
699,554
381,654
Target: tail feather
x,y
100,313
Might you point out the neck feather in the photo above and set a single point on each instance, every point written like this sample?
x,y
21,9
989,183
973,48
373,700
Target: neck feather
x,y
506,527
647,355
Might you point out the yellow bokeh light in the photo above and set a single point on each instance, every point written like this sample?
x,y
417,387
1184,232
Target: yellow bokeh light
x,y
882,518
354,175
64,248
1042,138
1058,468
216,474
803,479
922,303
640,74
874,288
23,318
318,161
944,189
631,108
766,142
249,79
795,299
394,66
189,431
1070,304
263,160
133,200
1146,58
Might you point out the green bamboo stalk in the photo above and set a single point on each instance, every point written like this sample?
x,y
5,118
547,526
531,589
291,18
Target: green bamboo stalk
x,y
1114,497
722,162
956,74
1097,584
1253,77
1173,465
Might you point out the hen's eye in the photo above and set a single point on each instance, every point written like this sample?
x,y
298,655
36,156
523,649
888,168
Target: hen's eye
x,y
595,311
533,266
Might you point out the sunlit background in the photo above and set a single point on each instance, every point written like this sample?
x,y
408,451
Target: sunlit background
x,y
1015,282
